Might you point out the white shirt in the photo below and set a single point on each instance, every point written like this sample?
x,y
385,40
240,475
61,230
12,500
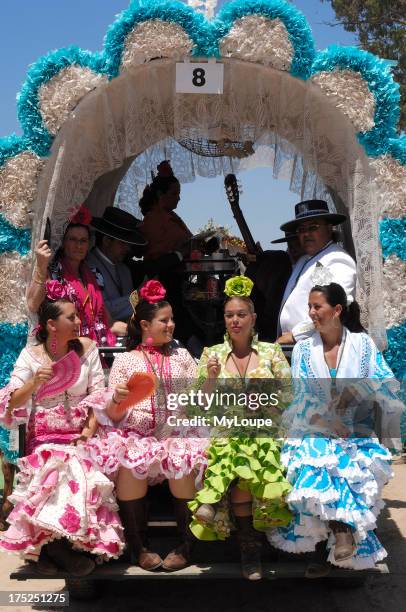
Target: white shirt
x,y
341,268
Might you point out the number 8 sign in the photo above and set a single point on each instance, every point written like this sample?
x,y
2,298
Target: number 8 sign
x,y
204,78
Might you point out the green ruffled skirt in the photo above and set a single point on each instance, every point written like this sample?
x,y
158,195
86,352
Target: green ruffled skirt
x,y
256,466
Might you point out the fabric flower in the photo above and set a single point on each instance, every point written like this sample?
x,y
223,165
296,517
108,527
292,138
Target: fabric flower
x,y
70,520
153,292
82,216
55,290
238,286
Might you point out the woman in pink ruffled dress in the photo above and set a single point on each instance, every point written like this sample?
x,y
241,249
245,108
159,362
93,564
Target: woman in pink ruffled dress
x,y
63,504
136,446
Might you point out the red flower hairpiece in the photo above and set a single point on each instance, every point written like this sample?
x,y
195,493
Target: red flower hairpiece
x,y
153,292
55,290
82,216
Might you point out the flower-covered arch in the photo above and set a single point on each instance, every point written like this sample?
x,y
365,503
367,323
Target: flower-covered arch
x,y
268,44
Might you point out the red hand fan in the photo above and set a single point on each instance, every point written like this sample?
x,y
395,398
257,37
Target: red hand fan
x,y
66,373
141,385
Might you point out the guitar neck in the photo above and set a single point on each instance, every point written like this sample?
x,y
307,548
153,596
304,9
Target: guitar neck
x,y
244,229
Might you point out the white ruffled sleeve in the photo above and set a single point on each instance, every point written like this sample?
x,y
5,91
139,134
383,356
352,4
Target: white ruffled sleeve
x,y
21,374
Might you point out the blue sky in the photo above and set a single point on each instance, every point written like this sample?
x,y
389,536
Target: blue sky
x,y
29,29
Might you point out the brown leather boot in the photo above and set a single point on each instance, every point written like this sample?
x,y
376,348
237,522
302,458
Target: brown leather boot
x,y
180,557
250,541
133,514
345,546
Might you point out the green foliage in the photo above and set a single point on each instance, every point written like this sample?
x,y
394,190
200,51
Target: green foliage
x,y
381,29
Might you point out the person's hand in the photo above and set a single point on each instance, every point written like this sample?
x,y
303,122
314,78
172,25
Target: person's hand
x,y
43,255
286,338
42,376
80,439
120,393
345,399
213,367
119,328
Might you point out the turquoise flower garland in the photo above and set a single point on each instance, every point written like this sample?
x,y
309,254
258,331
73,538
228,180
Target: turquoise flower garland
x,y
300,34
392,234
376,72
10,146
13,238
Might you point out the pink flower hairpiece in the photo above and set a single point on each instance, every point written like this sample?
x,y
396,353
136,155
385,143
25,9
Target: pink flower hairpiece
x,y
55,290
82,216
153,292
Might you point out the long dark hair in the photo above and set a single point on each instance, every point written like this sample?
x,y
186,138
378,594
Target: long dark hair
x,y
159,186
350,314
59,252
50,309
143,312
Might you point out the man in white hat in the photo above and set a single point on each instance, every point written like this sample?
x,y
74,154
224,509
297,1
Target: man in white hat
x,y
324,262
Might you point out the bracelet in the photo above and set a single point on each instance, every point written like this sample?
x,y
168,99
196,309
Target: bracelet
x,y
114,400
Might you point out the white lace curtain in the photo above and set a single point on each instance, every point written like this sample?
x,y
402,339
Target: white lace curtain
x,y
294,129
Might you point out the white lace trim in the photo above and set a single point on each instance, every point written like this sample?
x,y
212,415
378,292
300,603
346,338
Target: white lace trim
x,y
256,38
394,290
390,183
59,96
155,38
350,93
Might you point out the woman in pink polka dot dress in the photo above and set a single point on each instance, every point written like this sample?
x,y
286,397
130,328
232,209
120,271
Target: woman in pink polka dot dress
x,y
136,446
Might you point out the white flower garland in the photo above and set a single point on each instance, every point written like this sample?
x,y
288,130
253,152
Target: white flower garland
x,y
256,38
394,290
18,187
155,38
14,274
391,185
351,95
59,96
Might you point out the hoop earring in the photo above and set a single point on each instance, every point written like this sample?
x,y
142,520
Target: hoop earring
x,y
54,344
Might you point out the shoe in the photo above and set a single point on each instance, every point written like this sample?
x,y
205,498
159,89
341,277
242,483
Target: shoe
x,y
133,514
45,566
180,557
205,514
250,542
344,547
72,561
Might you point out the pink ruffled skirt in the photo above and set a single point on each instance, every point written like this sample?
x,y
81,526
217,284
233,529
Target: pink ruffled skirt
x,y
59,493
149,457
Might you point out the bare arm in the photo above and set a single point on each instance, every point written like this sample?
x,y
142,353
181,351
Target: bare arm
x,y
22,395
113,410
36,290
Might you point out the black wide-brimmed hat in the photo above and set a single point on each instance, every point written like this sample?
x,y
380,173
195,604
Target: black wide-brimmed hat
x,y
119,224
312,209
288,236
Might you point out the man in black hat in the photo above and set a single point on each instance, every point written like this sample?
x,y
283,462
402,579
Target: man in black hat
x,y
324,262
116,234
294,249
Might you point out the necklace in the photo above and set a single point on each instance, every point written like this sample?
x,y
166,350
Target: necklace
x,y
161,386
242,376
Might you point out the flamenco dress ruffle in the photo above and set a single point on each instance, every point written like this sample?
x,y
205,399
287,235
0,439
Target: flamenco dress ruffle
x,y
256,464
149,457
334,479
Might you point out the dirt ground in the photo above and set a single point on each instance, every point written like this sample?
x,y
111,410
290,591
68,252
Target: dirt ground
x,y
380,592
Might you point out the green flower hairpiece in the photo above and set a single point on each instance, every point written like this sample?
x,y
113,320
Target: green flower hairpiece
x,y
238,286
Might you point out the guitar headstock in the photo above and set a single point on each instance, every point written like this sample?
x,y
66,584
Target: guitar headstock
x,y
232,190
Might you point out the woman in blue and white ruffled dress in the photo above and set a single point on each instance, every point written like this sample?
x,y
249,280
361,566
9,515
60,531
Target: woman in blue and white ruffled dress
x,y
333,458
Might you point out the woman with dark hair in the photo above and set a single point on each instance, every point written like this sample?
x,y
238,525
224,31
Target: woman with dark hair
x,y
69,268
335,463
135,445
162,227
244,482
63,505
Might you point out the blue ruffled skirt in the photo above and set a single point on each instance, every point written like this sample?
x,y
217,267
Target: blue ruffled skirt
x,y
334,479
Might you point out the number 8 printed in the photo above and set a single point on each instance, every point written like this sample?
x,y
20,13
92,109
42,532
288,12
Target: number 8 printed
x,y
198,77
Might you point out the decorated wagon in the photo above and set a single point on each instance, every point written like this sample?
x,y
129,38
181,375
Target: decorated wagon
x,y
246,88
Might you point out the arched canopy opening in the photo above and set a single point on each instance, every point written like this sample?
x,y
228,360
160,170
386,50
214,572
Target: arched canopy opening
x,y
124,117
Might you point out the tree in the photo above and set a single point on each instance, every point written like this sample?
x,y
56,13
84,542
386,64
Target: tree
x,y
381,29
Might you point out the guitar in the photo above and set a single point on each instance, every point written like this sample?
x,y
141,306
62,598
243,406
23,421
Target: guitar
x,y
233,196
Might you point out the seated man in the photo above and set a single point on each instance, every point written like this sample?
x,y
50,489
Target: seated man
x,y
116,234
324,262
